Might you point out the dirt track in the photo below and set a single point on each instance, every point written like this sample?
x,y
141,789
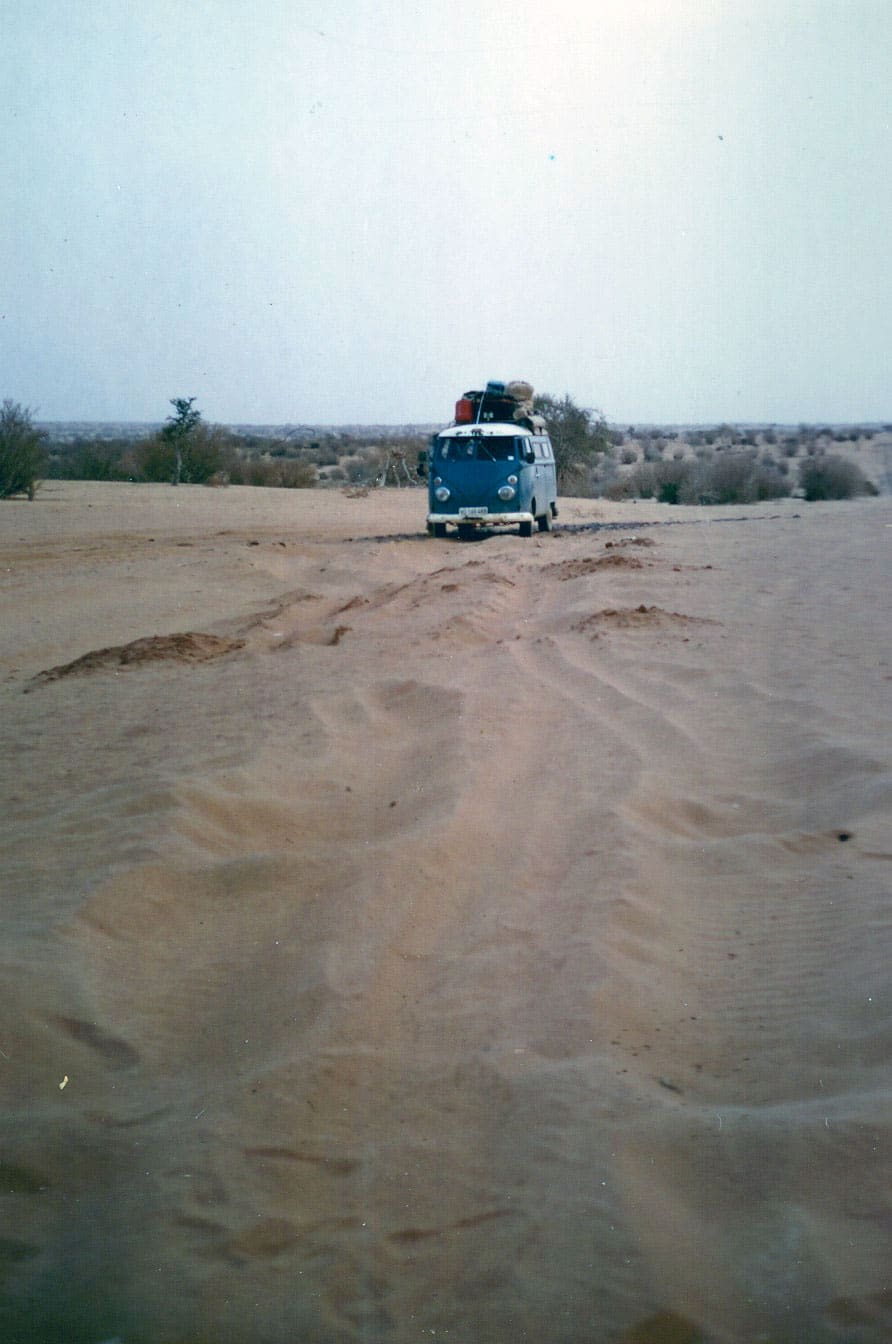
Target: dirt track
x,y
492,943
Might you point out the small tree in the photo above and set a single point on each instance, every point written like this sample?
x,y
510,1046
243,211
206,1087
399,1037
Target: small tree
x,y
578,436
186,450
177,431
22,454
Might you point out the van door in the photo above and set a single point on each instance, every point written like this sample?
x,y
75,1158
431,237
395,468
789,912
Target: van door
x,y
526,472
551,473
540,475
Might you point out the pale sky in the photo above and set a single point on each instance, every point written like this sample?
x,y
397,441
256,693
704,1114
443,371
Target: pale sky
x,y
332,211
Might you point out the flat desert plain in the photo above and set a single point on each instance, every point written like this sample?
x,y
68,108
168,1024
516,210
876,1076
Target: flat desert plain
x,y
410,939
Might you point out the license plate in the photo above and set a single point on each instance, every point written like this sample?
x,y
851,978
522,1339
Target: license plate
x,y
473,513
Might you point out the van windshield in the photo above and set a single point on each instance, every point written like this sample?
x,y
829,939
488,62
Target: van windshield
x,y
482,448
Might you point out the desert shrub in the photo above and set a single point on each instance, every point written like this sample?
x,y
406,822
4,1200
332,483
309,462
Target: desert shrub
x,y
324,455
239,468
622,488
275,472
827,476
22,453
601,476
86,459
297,476
155,460
207,452
731,477
99,461
260,471
671,480
578,480
664,481
356,469
737,477
767,482
628,457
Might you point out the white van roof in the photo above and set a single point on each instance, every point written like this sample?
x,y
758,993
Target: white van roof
x,y
486,429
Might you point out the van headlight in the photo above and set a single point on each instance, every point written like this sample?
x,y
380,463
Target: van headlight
x,y
441,494
506,492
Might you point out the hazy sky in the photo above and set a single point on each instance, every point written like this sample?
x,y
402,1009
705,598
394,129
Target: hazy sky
x,y
337,210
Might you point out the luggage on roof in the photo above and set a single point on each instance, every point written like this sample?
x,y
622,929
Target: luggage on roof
x,y
511,402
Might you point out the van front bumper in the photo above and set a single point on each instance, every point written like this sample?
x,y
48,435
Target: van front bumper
x,y
486,520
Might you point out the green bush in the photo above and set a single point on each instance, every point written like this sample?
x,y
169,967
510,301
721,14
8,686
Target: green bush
x,y
827,476
22,454
99,461
203,452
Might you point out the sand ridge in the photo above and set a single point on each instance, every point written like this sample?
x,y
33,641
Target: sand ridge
x,y
427,965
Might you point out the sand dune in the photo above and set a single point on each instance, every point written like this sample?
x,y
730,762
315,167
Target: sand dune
x,y
411,939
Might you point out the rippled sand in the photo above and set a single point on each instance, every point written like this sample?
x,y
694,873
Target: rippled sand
x,y
409,939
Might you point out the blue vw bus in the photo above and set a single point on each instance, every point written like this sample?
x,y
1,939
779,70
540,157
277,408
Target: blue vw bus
x,y
491,474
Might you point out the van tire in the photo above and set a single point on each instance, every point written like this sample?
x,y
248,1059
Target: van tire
x,y
526,528
465,531
439,530
544,521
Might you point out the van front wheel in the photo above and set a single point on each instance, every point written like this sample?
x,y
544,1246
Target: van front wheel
x,y
544,521
526,527
439,530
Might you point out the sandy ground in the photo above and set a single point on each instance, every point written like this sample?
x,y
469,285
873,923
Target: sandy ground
x,y
409,939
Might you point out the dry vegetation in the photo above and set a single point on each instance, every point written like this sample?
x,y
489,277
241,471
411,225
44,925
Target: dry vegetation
x,y
727,465
220,456
724,464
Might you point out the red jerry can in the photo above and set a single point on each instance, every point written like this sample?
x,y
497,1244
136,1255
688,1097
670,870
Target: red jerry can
x,y
464,411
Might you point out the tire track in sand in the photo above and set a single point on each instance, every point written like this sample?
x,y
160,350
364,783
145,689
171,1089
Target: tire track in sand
x,y
730,974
